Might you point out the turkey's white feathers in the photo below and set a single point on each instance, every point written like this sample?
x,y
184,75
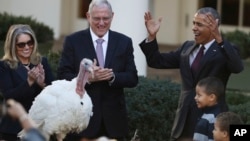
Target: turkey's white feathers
x,y
56,111
59,110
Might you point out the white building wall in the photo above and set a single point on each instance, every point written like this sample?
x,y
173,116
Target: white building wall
x,y
188,9
70,22
129,19
169,10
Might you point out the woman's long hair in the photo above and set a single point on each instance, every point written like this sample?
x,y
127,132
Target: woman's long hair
x,y
10,53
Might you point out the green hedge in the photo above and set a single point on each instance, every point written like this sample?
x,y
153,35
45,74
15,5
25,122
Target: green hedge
x,y
42,31
240,39
239,103
151,108
53,60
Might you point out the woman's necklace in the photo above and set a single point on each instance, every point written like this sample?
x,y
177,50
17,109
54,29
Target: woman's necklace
x,y
27,66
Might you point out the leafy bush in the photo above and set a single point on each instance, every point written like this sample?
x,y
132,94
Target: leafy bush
x,y
240,39
53,61
42,31
151,108
242,110
236,97
239,103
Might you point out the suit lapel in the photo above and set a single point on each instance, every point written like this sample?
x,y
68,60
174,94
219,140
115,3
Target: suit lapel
x,y
110,49
187,50
187,54
87,50
212,50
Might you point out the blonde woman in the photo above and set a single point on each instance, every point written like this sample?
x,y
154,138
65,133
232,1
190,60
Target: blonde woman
x,y
24,73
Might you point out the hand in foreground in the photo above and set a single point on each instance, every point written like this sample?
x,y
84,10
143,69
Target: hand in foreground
x,y
16,111
152,25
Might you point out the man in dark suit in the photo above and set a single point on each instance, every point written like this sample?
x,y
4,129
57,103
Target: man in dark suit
x,y
106,87
220,59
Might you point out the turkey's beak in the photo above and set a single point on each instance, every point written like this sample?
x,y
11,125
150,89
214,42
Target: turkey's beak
x,y
91,70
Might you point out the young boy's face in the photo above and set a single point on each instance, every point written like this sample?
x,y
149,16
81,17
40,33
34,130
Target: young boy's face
x,y
202,99
218,134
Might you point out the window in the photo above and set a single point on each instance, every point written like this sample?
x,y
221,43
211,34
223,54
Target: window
x,y
246,15
230,12
83,8
208,3
233,12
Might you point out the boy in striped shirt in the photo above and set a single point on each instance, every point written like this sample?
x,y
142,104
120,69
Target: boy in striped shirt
x,y
209,92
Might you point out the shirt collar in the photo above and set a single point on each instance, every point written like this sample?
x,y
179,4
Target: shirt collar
x,y
207,45
94,37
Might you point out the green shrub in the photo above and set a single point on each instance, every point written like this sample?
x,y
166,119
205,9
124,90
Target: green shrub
x,y
236,97
239,103
42,31
240,39
53,61
151,108
243,110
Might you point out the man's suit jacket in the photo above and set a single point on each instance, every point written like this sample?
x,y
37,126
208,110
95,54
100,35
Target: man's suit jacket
x,y
217,61
108,100
14,84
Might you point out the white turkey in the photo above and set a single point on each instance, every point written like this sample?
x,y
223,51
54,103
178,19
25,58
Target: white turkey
x,y
64,106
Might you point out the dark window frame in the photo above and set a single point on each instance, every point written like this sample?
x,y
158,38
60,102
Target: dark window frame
x,y
230,11
83,8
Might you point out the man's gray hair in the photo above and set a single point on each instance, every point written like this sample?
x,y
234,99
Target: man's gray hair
x,y
210,10
99,3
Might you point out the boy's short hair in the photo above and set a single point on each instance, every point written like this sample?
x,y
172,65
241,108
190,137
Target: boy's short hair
x,y
225,119
212,85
